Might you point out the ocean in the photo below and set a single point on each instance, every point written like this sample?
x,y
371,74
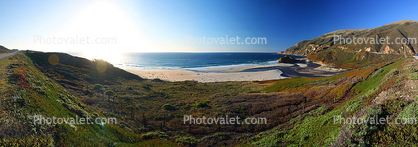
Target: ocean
x,y
189,61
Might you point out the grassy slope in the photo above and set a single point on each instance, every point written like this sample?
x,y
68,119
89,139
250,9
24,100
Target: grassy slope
x,y
69,91
47,98
346,94
317,128
349,59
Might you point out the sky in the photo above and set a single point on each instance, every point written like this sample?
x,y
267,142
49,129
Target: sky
x,y
109,26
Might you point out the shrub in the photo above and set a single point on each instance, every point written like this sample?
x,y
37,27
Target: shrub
x,y
39,90
253,91
353,107
129,88
157,80
146,87
181,133
109,93
218,136
201,104
97,86
361,131
189,141
413,77
168,107
20,77
393,106
409,113
30,141
63,97
410,70
394,73
152,135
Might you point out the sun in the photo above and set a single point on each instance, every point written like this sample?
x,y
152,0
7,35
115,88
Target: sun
x,y
102,20
114,58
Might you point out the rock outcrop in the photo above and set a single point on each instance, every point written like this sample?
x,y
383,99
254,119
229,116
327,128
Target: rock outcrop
x,y
287,59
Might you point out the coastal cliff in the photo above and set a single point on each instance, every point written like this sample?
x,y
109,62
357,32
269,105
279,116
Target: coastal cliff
x,y
405,30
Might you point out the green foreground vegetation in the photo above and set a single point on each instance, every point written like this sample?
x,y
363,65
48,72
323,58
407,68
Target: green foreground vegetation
x,y
299,111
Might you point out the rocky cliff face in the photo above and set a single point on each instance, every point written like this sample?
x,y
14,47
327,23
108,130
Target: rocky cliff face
x,y
405,30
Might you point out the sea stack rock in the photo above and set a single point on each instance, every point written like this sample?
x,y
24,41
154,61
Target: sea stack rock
x,y
287,59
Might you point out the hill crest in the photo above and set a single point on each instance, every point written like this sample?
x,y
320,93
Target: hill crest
x,y
3,49
404,30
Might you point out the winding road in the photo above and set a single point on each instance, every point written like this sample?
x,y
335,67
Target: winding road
x,y
5,55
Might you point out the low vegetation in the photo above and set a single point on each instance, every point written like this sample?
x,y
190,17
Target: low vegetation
x,y
349,59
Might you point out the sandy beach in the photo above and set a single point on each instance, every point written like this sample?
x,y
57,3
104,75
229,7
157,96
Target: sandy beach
x,y
250,73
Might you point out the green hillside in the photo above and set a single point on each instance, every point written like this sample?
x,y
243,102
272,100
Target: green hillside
x,y
388,91
349,59
26,92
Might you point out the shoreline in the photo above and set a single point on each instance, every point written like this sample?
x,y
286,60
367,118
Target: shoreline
x,y
249,73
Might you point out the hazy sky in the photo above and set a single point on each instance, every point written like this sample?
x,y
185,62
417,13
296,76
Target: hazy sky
x,y
161,25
